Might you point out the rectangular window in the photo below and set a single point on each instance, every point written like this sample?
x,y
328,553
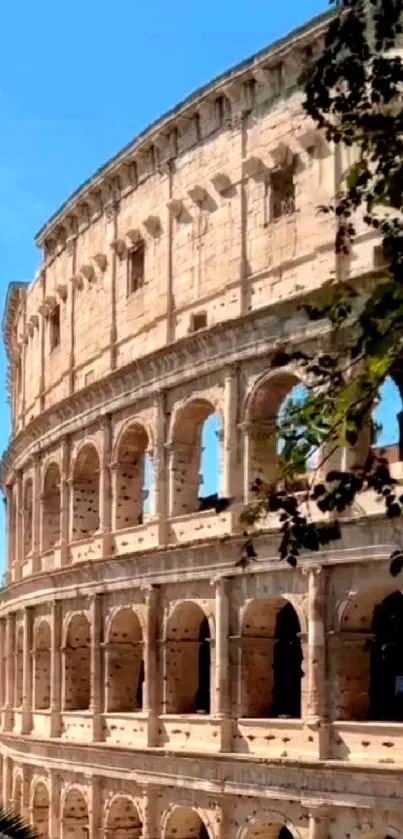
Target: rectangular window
x,y
282,193
54,328
135,268
198,320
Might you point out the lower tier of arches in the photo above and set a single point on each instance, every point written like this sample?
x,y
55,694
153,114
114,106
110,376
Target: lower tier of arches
x,y
156,799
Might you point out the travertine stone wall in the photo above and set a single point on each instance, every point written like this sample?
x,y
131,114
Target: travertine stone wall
x,y
150,687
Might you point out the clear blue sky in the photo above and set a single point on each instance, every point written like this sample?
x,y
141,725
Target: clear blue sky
x,y
79,80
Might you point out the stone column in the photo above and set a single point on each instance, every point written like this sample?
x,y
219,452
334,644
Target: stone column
x,y
26,786
318,819
19,513
160,507
65,494
54,805
105,487
9,691
150,698
150,810
96,666
222,661
246,447
27,672
229,487
37,503
95,809
316,712
55,669
3,663
7,781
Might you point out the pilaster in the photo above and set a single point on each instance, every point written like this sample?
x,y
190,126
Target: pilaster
x,y
9,690
55,669
316,712
105,488
27,672
229,488
151,698
222,693
65,498
96,666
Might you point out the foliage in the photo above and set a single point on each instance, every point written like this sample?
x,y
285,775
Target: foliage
x,y
13,827
353,92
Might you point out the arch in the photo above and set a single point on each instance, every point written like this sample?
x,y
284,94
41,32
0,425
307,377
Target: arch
x,y
184,823
75,819
40,809
124,662
388,416
77,664
185,468
51,507
271,660
122,819
28,503
131,491
268,824
19,667
262,408
85,489
188,661
369,653
42,659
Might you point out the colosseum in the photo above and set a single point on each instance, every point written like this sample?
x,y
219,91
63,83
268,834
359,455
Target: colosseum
x,y
150,686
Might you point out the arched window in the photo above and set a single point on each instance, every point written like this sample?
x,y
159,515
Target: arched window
x,y
269,829
77,665
75,821
194,469
187,651
266,404
51,508
40,810
386,665
19,667
123,821
42,656
124,663
185,823
387,421
27,517
133,471
271,660
86,493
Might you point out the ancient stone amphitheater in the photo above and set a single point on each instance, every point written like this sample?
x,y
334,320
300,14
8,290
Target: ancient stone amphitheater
x,y
149,686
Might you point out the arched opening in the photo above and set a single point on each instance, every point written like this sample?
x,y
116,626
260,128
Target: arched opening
x,y
28,517
386,664
188,665
185,823
195,464
271,660
86,493
387,421
266,405
42,656
77,665
124,667
75,821
17,795
51,508
367,659
123,821
19,667
131,475
268,830
40,810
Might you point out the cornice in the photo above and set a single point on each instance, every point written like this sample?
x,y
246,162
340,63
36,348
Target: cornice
x,y
105,186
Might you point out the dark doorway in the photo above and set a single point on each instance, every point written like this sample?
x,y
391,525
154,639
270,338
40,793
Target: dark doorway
x,y
203,693
386,672
287,661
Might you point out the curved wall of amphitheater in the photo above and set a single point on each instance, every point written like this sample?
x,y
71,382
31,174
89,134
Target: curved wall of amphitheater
x,y
149,685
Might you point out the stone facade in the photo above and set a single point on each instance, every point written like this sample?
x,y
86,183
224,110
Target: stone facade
x,y
149,687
